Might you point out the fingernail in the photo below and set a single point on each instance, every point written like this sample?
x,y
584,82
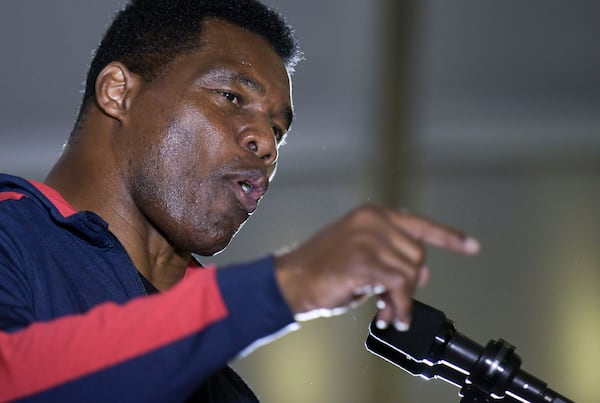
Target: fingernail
x,y
380,304
471,245
401,326
381,324
378,289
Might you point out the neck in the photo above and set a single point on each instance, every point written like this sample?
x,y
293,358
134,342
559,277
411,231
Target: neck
x,y
88,177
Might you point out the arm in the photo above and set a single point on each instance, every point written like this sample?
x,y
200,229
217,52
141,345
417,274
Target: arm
x,y
155,348
368,249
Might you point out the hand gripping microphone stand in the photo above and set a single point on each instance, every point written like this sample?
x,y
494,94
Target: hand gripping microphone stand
x,y
432,348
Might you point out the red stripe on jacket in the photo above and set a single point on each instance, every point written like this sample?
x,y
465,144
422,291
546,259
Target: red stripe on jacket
x,y
11,196
63,206
107,335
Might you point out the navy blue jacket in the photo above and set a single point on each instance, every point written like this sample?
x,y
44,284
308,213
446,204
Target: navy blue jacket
x,y
76,323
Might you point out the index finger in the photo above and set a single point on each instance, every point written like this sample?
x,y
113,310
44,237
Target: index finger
x,y
435,234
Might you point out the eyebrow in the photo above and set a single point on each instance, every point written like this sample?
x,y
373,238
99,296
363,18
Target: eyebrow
x,y
225,76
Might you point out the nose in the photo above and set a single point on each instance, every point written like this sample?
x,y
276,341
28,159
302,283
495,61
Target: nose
x,y
260,140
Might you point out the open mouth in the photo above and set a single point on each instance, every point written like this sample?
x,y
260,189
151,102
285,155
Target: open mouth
x,y
249,188
246,187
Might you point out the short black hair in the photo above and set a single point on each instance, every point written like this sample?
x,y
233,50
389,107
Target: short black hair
x,y
146,35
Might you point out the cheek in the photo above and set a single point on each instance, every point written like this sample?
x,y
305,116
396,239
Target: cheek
x,y
191,138
184,167
181,149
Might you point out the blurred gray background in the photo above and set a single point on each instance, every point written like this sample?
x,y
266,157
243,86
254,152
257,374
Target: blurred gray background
x,y
484,115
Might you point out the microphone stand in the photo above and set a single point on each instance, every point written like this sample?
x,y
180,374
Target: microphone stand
x,y
432,348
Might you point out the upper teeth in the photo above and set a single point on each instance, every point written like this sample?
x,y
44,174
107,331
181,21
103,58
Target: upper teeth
x,y
246,187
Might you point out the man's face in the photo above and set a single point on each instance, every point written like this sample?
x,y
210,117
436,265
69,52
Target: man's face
x,y
202,139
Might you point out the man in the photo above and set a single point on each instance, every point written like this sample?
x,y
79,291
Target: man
x,y
186,104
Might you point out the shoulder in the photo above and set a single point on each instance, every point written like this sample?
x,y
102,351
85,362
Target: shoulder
x,y
19,196
12,189
21,218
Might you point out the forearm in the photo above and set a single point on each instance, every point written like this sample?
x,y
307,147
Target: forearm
x,y
151,349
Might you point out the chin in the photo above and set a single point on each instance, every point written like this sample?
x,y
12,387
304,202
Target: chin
x,y
207,250
213,245
209,237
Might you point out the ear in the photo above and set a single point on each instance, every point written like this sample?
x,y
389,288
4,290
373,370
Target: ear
x,y
116,87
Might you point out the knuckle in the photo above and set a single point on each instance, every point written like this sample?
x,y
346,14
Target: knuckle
x,y
367,215
412,276
420,254
396,284
405,280
368,210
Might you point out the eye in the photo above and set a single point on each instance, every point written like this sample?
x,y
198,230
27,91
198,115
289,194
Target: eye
x,y
278,133
231,97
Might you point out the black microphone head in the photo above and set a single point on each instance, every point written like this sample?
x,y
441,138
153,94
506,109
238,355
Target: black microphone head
x,y
432,348
427,323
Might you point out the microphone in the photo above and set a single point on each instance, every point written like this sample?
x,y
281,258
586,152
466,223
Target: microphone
x,y
432,348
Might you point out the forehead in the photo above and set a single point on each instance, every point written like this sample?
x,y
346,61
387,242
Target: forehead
x,y
227,46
